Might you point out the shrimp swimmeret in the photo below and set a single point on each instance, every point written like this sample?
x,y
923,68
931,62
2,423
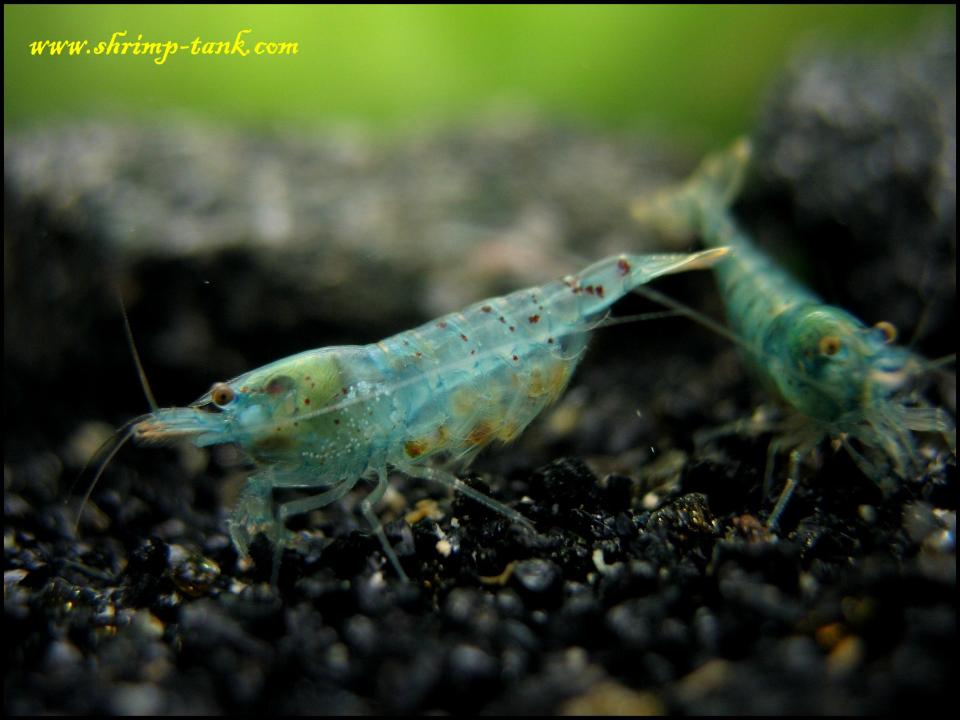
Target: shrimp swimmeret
x,y
326,418
846,380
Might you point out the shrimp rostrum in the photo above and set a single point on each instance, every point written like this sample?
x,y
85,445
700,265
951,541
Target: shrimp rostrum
x,y
844,379
325,419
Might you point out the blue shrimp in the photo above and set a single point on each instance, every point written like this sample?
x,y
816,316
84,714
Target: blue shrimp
x,y
326,418
845,380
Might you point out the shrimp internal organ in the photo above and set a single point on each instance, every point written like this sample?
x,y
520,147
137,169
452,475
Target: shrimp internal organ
x,y
326,418
845,379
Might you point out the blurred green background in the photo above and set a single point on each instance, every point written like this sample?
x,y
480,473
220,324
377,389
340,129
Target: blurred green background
x,y
694,71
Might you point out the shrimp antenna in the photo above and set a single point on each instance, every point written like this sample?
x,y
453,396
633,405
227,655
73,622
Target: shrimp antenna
x,y
679,308
119,438
136,356
638,317
110,447
937,364
711,324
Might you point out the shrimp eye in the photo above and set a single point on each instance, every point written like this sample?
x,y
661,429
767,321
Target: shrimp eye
x,y
888,330
221,394
829,345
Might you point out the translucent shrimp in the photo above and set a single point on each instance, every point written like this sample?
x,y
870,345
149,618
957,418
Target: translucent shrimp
x,y
846,380
326,418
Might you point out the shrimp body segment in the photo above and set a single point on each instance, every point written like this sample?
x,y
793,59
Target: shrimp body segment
x,y
328,417
845,379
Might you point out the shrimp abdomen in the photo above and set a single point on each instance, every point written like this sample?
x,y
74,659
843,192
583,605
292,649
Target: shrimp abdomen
x,y
483,374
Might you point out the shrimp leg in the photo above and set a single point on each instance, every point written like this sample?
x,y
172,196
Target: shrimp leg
x,y
452,481
315,502
789,486
366,507
254,513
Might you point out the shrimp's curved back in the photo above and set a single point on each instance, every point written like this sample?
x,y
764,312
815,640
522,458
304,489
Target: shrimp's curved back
x,y
846,379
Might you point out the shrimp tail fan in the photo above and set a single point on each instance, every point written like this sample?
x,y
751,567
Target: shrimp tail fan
x,y
683,211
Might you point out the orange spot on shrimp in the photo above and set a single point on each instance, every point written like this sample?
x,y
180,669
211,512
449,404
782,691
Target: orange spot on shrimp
x,y
481,433
534,319
421,446
550,383
415,448
623,266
